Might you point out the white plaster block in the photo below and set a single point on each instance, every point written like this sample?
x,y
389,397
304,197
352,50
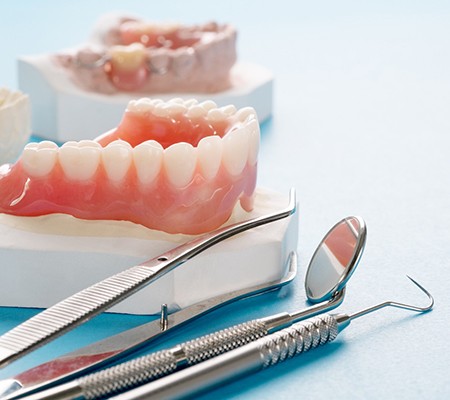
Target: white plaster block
x,y
61,111
46,259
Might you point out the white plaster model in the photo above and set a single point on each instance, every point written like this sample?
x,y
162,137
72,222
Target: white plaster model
x,y
67,254
82,91
15,124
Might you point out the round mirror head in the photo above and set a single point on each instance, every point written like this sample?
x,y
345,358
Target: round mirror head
x,y
335,259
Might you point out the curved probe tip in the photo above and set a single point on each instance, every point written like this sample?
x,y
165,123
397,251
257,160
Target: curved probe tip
x,y
431,298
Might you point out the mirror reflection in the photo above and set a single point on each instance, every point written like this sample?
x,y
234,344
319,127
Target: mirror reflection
x,y
335,259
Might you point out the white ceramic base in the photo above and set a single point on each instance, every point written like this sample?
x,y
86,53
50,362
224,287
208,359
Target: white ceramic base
x,y
46,259
61,111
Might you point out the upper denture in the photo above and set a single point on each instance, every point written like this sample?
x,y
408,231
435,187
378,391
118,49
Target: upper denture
x,y
129,55
177,166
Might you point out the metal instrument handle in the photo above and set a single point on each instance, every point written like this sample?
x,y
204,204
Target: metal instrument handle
x,y
71,312
142,370
267,351
270,350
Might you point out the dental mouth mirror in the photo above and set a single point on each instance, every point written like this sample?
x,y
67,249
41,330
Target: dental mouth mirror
x,y
258,355
335,259
330,268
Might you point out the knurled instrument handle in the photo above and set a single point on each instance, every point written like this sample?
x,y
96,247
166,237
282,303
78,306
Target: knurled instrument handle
x,y
131,374
297,339
273,349
270,350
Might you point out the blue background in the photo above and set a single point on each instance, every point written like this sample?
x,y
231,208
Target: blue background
x,y
361,126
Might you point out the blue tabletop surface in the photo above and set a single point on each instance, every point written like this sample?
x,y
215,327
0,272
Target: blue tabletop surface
x,y
360,127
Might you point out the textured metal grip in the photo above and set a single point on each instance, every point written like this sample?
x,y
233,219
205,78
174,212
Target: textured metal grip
x,y
72,311
136,372
299,338
212,345
128,375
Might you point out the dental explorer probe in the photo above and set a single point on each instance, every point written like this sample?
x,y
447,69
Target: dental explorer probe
x,y
219,366
255,356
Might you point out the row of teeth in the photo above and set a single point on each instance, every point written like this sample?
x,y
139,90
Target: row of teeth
x,y
191,109
80,160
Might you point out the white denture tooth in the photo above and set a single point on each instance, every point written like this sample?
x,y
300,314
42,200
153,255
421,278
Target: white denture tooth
x,y
210,156
47,144
176,109
216,114
162,110
228,110
190,102
89,143
196,112
131,105
250,118
176,100
39,161
253,141
141,105
243,113
117,159
127,58
180,161
79,163
148,158
156,102
235,150
208,105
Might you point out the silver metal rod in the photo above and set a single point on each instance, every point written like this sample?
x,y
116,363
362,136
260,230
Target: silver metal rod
x,y
164,321
252,357
227,367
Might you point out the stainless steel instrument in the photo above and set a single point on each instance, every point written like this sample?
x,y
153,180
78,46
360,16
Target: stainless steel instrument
x,y
344,242
254,356
107,350
97,298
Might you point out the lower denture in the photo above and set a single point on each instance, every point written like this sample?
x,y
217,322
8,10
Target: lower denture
x,y
158,168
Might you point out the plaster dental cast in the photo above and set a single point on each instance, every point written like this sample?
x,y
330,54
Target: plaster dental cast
x,y
126,54
15,124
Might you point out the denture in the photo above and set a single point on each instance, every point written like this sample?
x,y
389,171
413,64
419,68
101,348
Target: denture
x,y
130,55
178,166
